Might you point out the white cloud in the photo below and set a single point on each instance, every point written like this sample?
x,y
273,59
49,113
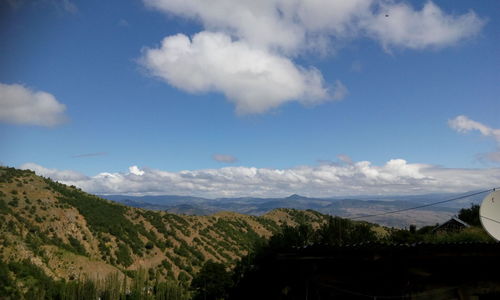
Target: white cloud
x,y
247,48
21,105
463,124
135,170
291,25
398,24
395,177
254,79
257,22
224,158
60,175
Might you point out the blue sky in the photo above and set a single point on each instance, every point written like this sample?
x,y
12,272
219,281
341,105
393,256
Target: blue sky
x,y
280,97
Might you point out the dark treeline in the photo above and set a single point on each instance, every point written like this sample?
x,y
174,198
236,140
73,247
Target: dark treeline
x,y
250,278
261,275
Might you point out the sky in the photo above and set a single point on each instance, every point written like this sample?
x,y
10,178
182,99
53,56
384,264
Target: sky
x,y
260,98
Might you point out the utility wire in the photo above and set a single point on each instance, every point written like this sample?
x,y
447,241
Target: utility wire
x,y
421,206
490,219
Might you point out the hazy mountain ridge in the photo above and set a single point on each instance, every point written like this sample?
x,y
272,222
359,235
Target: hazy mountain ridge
x,y
69,233
340,206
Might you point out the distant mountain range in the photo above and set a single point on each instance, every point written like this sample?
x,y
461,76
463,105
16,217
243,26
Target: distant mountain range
x,y
340,206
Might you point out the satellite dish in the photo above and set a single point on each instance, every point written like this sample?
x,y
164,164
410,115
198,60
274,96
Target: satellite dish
x,y
489,213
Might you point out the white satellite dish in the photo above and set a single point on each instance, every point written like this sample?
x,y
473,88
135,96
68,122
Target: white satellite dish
x,y
489,213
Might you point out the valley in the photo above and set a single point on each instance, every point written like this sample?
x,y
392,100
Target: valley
x,y
340,206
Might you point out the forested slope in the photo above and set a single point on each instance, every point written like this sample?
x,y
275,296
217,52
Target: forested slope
x,y
69,234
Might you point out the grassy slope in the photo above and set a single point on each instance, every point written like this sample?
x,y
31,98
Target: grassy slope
x,y
70,233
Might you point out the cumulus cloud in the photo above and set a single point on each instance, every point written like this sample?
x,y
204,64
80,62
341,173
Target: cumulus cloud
x,y
397,176
463,124
254,79
247,48
135,170
286,26
21,105
289,25
224,158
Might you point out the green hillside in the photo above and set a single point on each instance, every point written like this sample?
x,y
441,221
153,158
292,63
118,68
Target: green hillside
x,y
66,234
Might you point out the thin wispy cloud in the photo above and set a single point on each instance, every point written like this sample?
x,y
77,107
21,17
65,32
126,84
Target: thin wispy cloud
x,y
490,156
345,159
67,6
94,154
61,175
123,23
224,158
356,66
464,124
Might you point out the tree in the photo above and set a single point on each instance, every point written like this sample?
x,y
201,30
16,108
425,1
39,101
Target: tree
x,y
7,285
290,237
470,215
212,282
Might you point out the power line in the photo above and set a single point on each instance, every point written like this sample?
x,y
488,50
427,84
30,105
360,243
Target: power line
x,y
490,219
421,206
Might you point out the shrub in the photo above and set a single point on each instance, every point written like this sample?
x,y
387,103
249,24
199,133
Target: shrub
x,y
123,255
183,276
77,246
149,245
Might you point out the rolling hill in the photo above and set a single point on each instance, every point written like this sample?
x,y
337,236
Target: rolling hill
x,y
70,234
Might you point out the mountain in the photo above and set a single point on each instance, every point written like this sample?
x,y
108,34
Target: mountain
x,y
68,233
161,200
340,206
